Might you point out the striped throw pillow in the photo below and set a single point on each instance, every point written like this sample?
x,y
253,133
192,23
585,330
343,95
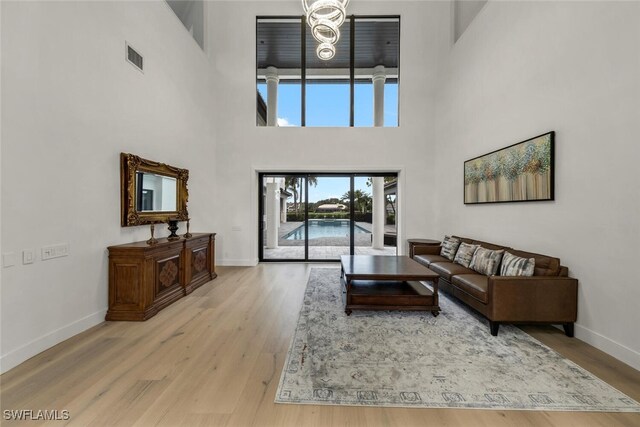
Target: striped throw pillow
x,y
486,261
465,254
449,247
517,266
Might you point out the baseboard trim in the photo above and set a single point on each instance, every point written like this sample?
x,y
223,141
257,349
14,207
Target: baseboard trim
x,y
237,262
15,357
612,348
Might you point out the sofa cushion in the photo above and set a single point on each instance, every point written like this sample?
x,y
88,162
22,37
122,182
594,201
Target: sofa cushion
x,y
428,259
545,265
449,247
516,266
475,285
465,254
486,261
448,269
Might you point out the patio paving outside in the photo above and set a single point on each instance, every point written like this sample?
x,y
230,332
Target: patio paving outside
x,y
326,247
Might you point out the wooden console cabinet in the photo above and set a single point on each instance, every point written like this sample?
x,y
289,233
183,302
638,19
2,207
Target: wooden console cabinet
x,y
143,279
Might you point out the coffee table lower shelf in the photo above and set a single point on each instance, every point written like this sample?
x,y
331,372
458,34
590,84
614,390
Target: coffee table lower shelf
x,y
389,295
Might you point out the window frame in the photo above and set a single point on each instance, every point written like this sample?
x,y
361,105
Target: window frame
x,y
303,67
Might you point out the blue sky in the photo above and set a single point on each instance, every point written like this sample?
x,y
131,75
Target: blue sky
x,y
328,104
329,187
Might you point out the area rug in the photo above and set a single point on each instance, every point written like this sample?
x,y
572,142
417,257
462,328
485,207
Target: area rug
x,y
412,359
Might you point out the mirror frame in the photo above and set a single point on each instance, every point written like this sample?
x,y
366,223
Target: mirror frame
x,y
130,164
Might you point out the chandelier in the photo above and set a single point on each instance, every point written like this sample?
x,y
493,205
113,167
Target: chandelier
x,y
325,18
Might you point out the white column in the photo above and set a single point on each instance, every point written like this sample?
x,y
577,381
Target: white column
x,y
272,210
379,205
272,95
379,213
379,76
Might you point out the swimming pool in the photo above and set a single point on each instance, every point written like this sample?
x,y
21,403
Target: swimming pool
x,y
324,228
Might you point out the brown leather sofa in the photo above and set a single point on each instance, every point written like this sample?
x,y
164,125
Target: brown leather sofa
x,y
549,296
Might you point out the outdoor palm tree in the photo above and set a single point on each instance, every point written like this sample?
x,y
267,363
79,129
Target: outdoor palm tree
x,y
291,183
361,200
294,183
312,181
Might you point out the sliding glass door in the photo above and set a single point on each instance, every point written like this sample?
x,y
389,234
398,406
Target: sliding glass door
x,y
282,231
329,217
321,216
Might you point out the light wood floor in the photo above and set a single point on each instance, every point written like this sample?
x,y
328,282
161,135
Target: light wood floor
x,y
214,358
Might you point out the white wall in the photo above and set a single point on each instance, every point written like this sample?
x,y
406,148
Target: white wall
x,y
191,14
522,69
244,147
71,104
464,12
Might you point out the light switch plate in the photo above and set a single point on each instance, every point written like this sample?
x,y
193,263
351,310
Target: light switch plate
x,y
55,251
9,259
28,256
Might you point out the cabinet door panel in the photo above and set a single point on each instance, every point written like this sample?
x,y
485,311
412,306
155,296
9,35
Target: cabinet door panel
x,y
199,259
126,284
167,274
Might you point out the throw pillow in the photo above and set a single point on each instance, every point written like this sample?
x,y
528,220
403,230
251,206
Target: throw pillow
x,y
465,254
517,266
486,261
449,247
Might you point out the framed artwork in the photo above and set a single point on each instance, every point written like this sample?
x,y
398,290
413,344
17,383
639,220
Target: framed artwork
x,y
521,172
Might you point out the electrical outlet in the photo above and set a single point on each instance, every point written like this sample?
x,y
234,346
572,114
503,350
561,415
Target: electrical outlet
x,y
236,228
28,256
55,251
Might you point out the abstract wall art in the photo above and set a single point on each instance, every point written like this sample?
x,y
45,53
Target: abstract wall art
x,y
521,172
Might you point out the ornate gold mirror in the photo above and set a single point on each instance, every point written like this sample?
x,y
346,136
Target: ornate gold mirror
x,y
151,192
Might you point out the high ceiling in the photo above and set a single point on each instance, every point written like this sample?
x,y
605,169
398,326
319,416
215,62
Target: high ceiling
x,y
376,43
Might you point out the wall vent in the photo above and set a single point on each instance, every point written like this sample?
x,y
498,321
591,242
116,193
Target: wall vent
x,y
135,58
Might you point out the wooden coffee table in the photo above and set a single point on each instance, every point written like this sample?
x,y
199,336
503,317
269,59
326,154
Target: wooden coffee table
x,y
373,282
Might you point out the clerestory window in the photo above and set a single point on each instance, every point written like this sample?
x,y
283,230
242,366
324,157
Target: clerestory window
x,y
357,87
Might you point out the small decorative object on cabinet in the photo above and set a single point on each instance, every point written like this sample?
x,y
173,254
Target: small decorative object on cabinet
x,y
143,279
188,235
173,227
152,240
